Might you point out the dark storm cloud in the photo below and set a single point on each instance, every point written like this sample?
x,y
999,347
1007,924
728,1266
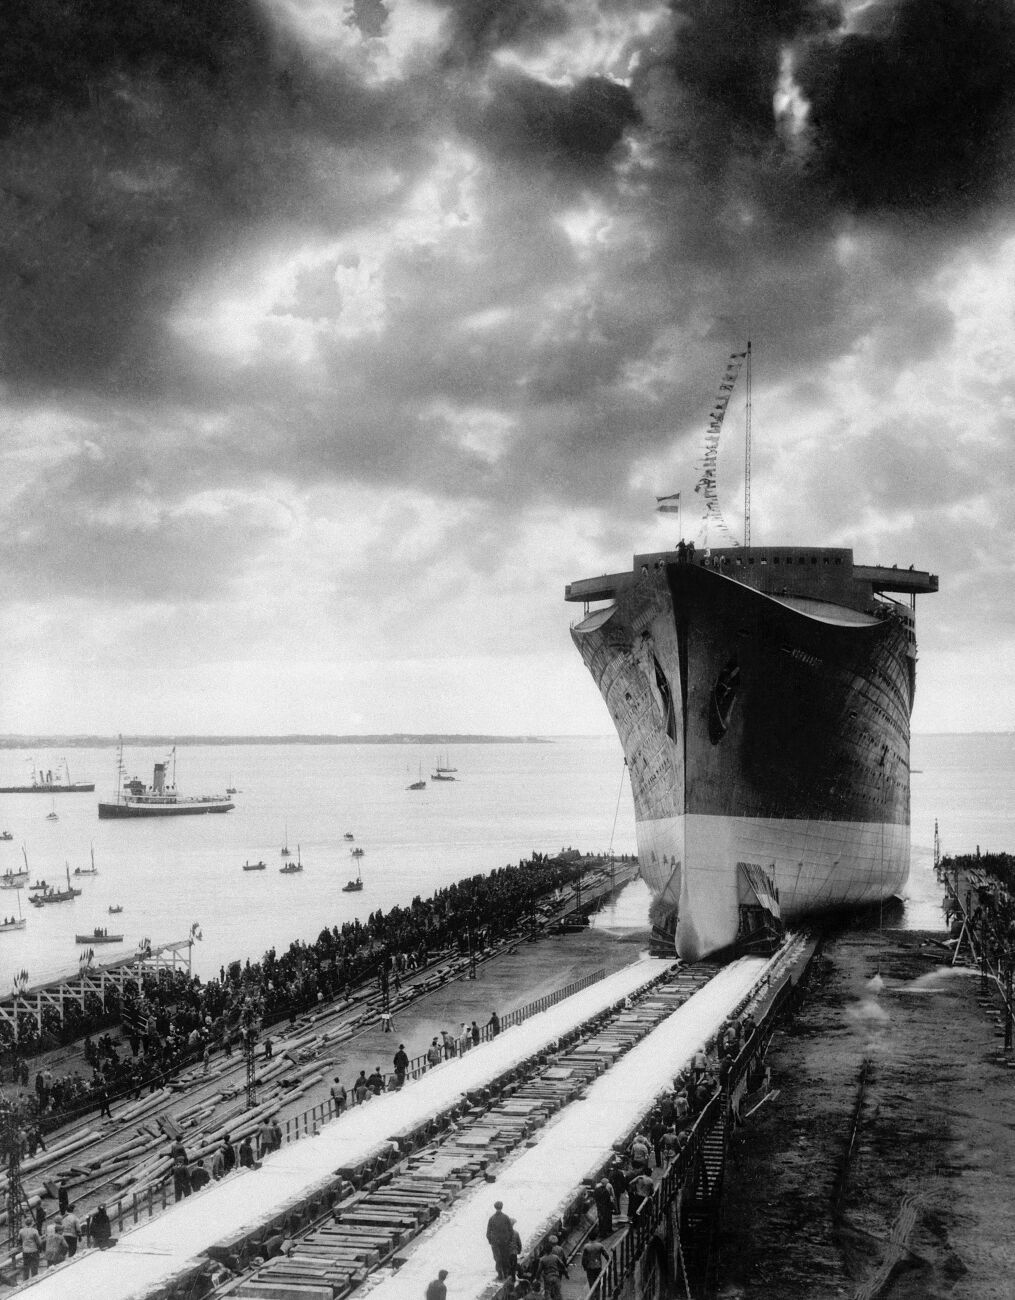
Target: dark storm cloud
x,y
726,55
911,111
916,113
564,127
134,141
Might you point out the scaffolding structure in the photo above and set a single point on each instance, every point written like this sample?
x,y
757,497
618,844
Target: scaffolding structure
x,y
11,1121
92,979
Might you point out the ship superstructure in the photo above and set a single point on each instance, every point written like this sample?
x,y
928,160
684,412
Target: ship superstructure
x,y
762,696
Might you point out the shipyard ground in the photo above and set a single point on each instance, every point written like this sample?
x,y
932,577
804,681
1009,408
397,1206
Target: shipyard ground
x,y
927,1205
926,1208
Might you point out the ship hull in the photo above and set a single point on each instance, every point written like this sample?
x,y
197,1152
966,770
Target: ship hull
x,y
125,810
75,787
762,735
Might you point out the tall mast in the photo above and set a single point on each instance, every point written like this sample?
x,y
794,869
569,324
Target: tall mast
x,y
747,455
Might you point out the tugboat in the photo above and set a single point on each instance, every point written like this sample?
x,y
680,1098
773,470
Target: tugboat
x,y
135,799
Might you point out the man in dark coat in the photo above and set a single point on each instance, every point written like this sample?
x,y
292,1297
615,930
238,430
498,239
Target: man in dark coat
x,y
500,1233
437,1290
181,1178
99,1228
605,1201
401,1064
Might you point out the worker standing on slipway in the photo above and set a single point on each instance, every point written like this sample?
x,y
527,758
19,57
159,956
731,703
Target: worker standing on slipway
x,y
552,1267
499,1233
437,1290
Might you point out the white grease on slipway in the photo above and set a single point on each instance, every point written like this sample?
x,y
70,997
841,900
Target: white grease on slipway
x,y
155,1252
537,1186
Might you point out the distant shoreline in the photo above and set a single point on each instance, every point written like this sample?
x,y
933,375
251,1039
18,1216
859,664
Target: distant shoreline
x,y
141,742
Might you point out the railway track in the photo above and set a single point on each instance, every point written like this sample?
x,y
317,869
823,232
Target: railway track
x,y
380,1207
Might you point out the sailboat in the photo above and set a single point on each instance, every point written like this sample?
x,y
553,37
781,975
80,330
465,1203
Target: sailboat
x,y
354,886
57,895
15,879
14,922
53,815
442,772
444,767
291,868
420,784
285,843
88,871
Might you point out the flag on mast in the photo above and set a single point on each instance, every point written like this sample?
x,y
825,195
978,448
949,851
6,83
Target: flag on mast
x,y
669,505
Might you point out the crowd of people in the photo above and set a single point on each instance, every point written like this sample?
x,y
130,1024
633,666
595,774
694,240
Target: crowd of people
x,y
172,1019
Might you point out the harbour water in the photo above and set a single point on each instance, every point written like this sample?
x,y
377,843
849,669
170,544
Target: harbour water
x,y
507,800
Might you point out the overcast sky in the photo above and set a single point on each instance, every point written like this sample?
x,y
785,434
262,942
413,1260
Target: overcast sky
x,y
336,338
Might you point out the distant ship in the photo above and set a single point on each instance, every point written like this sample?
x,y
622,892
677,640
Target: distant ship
x,y
46,782
762,696
135,799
